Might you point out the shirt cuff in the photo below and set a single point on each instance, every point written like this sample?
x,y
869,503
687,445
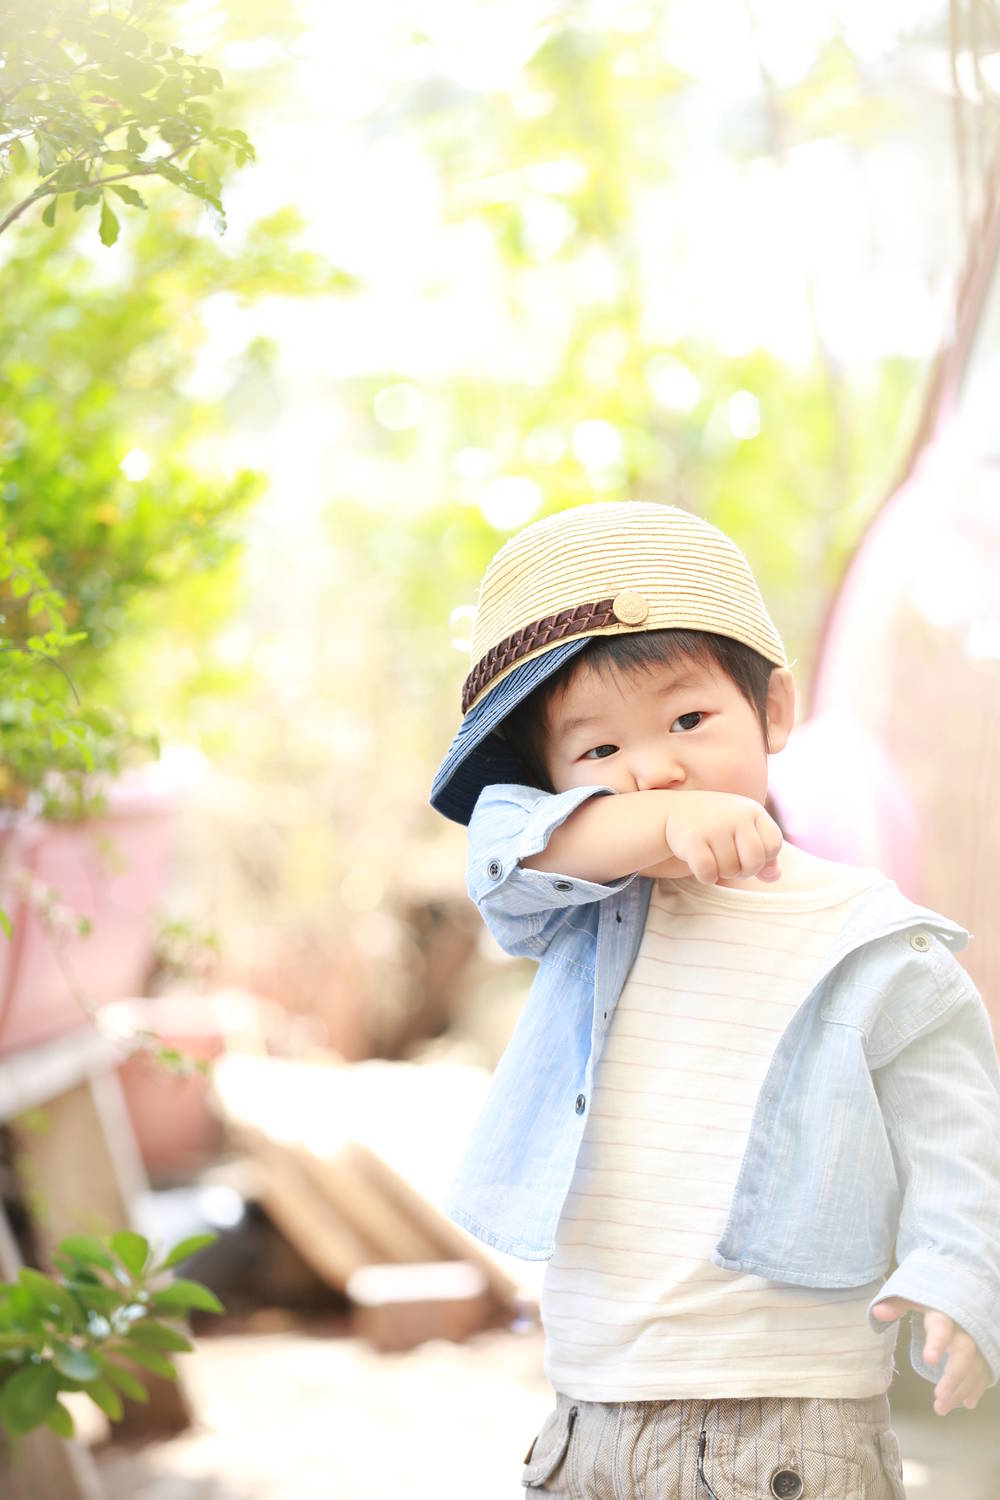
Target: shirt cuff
x,y
938,1282
526,891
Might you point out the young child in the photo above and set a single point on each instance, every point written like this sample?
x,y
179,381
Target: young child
x,y
744,1076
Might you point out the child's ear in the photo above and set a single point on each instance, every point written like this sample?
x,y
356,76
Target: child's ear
x,y
780,709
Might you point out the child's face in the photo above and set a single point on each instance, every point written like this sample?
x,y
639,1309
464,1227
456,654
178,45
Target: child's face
x,y
681,728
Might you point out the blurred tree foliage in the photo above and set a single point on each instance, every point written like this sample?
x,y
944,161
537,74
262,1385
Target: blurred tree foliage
x,y
555,174
88,92
127,535
348,655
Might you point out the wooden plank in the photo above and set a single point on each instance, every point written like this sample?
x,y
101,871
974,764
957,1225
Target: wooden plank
x,y
371,1143
29,1078
313,1225
397,1307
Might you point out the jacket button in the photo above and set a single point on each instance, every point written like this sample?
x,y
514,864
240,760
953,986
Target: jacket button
x,y
494,869
786,1484
920,941
581,1103
561,885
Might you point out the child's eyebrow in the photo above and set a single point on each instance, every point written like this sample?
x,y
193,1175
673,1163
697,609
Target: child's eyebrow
x,y
683,679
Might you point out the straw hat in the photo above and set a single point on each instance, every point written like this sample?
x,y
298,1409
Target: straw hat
x,y
607,568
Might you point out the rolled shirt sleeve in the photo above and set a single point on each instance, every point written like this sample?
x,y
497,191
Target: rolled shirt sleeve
x,y
940,1098
522,907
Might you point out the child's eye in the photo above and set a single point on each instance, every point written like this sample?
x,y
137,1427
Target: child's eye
x,y
694,714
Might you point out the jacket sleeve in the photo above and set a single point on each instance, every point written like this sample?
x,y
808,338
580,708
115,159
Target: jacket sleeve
x,y
523,908
940,1098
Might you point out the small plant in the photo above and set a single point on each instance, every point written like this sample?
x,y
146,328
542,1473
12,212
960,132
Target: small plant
x,y
110,1309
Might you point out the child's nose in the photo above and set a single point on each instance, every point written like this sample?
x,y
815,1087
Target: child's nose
x,y
657,769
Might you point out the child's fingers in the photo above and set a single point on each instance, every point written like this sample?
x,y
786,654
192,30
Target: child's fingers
x,y
972,1388
963,1393
939,1331
965,1375
750,852
771,835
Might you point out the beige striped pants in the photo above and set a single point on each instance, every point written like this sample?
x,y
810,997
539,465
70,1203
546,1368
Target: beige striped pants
x,y
756,1448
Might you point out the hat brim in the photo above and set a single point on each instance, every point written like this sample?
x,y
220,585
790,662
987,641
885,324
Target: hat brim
x,y
478,757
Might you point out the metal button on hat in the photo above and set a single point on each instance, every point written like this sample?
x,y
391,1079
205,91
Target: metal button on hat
x,y
629,607
920,941
786,1484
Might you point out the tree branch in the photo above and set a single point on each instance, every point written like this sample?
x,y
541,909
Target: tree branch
x,y
145,169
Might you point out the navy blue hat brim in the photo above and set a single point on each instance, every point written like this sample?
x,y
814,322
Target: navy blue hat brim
x,y
477,756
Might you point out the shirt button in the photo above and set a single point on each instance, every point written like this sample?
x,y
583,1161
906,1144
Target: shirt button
x,y
494,869
920,941
581,1103
786,1484
561,885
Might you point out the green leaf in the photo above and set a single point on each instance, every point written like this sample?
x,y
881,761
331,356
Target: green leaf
x,y
125,1381
85,1248
5,923
27,1398
109,224
152,1335
18,156
74,1362
60,1419
129,194
136,140
47,159
48,1293
103,1299
49,212
149,1359
104,1395
185,1294
188,1247
131,1249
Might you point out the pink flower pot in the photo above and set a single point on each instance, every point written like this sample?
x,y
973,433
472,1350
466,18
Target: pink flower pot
x,y
110,869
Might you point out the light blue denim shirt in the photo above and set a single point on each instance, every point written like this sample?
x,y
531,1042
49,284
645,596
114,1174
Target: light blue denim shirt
x,y
877,1125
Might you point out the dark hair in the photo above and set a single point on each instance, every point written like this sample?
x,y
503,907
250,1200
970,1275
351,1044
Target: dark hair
x,y
525,726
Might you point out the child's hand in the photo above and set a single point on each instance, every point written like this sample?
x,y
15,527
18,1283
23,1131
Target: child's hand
x,y
723,836
966,1374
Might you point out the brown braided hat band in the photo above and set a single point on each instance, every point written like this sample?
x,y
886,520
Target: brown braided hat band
x,y
611,568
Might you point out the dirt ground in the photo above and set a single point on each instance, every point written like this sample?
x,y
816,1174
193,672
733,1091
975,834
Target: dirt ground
x,y
300,1415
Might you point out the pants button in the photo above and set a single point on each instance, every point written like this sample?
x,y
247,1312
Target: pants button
x,y
786,1484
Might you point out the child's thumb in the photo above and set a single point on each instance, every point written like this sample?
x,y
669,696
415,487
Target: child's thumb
x,y
888,1311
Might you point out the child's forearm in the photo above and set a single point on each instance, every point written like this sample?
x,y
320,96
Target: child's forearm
x,y
608,837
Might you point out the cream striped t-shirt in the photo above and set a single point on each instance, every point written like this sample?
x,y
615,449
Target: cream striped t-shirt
x,y
632,1306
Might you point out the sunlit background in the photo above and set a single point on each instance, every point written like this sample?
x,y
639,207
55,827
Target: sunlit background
x,y
493,259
